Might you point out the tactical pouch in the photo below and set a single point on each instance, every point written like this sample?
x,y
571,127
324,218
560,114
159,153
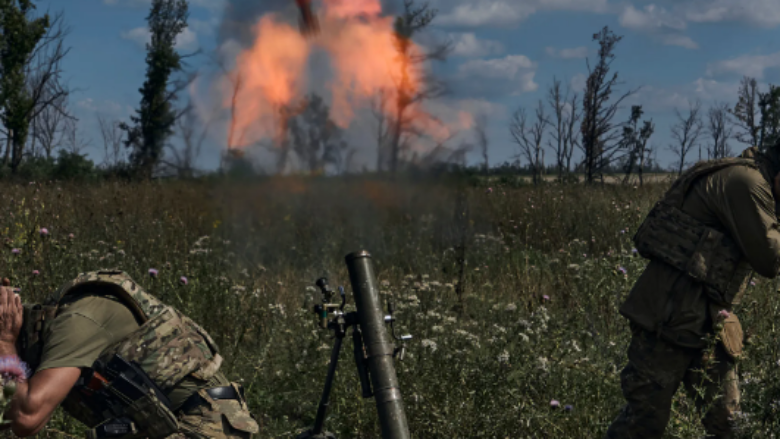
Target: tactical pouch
x,y
731,335
234,411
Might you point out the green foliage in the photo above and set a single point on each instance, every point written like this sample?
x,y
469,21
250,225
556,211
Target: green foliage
x,y
316,139
154,119
73,166
769,106
20,35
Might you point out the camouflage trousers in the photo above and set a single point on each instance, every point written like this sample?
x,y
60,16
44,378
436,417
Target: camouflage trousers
x,y
219,419
655,371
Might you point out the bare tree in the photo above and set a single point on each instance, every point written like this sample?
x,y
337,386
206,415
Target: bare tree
x,y
635,141
192,131
565,118
49,125
686,133
113,140
747,113
401,124
571,131
73,141
720,131
601,138
530,138
480,132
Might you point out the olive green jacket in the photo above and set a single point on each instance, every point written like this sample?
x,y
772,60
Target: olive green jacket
x,y
737,200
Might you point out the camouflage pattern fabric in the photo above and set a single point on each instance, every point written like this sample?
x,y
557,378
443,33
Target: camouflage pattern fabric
x,y
168,346
653,375
708,255
219,419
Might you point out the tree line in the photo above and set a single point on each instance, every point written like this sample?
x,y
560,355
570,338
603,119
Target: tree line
x,y
564,123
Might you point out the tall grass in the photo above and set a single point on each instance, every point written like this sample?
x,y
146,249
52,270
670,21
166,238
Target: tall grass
x,y
535,318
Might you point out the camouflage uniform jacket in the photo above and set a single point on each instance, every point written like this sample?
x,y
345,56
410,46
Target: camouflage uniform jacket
x,y
168,346
735,201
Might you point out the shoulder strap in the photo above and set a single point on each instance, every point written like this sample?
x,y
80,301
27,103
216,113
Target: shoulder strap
x,y
143,305
676,194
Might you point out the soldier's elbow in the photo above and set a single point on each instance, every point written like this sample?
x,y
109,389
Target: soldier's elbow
x,y
26,426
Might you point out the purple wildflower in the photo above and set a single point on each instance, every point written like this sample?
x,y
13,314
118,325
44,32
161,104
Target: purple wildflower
x,y
44,231
752,283
153,272
13,369
489,190
634,251
723,314
568,407
554,404
36,272
183,280
546,298
71,236
623,270
16,251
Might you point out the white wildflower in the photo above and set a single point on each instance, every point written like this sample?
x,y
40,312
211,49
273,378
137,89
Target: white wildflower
x,y
429,344
503,357
510,307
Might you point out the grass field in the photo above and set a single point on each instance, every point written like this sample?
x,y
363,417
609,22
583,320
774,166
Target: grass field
x,y
546,269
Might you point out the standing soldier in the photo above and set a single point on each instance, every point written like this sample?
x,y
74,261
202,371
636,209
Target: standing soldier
x,y
713,228
118,360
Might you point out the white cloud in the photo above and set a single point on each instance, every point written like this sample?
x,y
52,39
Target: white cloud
x,y
758,12
203,27
507,12
656,21
187,40
747,65
105,107
578,82
575,53
515,71
707,91
468,45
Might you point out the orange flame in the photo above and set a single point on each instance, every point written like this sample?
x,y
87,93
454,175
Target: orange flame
x,y
267,76
365,60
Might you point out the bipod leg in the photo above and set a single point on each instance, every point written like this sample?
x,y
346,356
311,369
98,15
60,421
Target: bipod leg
x,y
325,400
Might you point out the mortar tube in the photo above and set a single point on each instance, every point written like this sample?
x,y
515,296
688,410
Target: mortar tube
x,y
379,349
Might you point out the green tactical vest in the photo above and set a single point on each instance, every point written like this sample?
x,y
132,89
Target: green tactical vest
x,y
168,346
704,253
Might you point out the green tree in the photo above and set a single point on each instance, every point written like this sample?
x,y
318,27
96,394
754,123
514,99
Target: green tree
x,y
31,49
316,139
635,141
155,117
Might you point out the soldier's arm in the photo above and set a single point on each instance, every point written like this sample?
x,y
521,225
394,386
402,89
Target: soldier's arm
x,y
36,399
748,212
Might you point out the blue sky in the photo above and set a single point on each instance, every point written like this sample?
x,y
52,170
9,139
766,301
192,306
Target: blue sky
x,y
506,54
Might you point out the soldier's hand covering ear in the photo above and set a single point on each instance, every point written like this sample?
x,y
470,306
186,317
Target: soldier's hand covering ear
x,y
10,315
